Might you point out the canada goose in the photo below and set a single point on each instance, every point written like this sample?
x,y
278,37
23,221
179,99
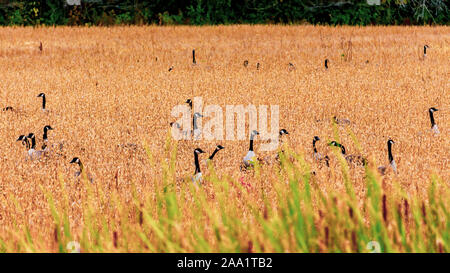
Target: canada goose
x,y
32,152
251,156
46,128
131,146
42,95
78,173
218,148
280,140
341,121
177,126
317,156
425,50
351,159
189,101
281,134
197,132
197,174
25,141
194,62
326,63
434,127
245,63
382,169
291,67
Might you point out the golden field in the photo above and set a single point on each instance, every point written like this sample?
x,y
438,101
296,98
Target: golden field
x,y
109,87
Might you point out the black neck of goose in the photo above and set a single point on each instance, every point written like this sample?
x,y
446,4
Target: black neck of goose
x,y
342,149
213,154
45,134
197,164
26,143
193,57
33,142
314,145
432,118
326,63
251,144
391,158
424,50
194,122
43,102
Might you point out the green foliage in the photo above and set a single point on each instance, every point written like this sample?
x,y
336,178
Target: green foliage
x,y
201,12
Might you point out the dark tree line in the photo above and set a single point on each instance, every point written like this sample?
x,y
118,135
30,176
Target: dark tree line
x,y
200,12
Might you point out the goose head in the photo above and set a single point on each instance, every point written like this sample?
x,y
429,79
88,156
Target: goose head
x,y
197,115
199,151
21,138
48,127
41,95
432,109
176,124
336,144
316,138
253,134
189,101
75,160
283,132
390,142
220,147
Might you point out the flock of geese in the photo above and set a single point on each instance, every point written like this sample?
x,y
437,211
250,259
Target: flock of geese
x,y
249,160
29,142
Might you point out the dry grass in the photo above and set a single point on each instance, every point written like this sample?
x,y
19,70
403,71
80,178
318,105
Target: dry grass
x,y
110,86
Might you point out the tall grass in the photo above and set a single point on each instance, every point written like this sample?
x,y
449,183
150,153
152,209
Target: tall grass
x,y
278,208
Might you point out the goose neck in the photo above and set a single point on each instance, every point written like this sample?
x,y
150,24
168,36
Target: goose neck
x,y
197,163
432,118
391,158
213,154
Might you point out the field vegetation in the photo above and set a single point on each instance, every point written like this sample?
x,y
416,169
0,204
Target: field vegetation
x,y
109,98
